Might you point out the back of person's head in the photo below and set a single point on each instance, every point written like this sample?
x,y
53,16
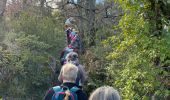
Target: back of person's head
x,y
69,72
105,93
70,22
72,57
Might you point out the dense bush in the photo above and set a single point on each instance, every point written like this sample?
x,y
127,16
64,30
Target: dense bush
x,y
138,54
25,64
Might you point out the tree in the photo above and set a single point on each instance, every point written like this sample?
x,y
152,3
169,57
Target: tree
x,y
26,61
2,8
90,13
134,68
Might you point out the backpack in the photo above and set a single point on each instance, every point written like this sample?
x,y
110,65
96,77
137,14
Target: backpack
x,y
76,43
72,35
60,93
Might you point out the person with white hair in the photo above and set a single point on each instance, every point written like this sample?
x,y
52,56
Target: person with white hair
x,y
105,93
68,88
72,57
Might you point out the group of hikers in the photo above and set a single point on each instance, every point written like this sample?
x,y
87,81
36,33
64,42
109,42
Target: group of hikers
x,y
72,74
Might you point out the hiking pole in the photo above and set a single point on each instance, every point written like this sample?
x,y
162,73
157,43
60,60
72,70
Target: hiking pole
x,y
53,70
52,64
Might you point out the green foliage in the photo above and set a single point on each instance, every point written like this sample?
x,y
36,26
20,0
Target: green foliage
x,y
25,61
25,70
135,68
47,29
93,61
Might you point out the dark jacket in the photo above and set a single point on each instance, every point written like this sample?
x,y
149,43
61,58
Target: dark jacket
x,y
80,94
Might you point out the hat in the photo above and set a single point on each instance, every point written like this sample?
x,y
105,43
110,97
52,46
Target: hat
x,y
69,21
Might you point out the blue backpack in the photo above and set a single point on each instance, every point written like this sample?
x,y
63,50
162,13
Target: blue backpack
x,y
60,93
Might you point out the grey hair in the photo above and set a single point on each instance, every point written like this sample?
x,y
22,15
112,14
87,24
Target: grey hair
x,y
105,93
69,72
70,56
69,21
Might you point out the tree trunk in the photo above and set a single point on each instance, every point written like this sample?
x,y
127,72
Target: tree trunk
x,y
90,4
156,8
24,5
80,12
45,11
2,8
80,24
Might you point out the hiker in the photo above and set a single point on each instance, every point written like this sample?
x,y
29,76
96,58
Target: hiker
x,y
72,57
73,38
64,53
68,90
69,28
105,93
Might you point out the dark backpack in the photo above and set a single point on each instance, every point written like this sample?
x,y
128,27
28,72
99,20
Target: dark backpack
x,y
60,93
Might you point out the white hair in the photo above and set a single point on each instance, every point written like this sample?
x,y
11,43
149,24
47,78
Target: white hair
x,y
105,93
69,72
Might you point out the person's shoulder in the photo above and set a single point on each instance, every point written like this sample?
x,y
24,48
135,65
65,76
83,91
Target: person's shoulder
x,y
81,95
49,94
81,66
80,91
51,90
